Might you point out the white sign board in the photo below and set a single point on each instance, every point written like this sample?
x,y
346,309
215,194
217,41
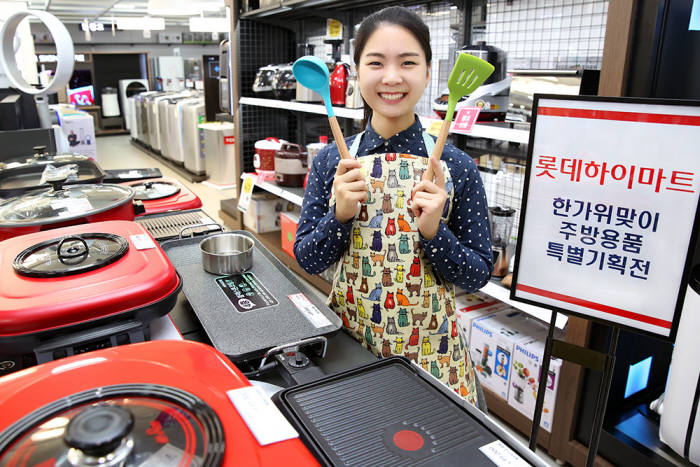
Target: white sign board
x,y
611,197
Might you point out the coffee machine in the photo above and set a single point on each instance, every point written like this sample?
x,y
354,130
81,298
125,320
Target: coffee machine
x,y
501,222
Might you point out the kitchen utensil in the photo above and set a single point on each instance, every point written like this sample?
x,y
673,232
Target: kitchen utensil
x,y
246,314
227,253
79,288
312,72
164,401
291,165
422,422
467,75
164,195
66,205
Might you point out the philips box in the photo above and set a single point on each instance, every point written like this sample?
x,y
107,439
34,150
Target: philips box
x,y
493,340
474,306
263,213
527,361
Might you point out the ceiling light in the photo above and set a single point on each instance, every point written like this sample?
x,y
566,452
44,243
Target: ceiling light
x,y
140,23
200,24
124,6
172,8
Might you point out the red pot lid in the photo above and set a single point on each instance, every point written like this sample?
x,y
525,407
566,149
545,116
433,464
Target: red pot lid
x,y
177,367
139,424
149,189
141,277
62,203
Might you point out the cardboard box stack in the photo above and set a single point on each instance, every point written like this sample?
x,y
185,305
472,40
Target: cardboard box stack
x,y
263,213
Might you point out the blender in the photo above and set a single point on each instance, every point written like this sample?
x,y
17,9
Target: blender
x,y
501,221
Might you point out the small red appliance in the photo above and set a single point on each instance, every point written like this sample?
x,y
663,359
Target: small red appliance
x,y
164,195
339,84
80,288
154,403
61,206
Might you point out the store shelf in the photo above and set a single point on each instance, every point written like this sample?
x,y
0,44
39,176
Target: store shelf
x,y
500,131
293,195
501,293
516,419
301,107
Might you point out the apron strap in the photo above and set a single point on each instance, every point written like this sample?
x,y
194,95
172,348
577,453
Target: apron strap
x,y
427,140
355,144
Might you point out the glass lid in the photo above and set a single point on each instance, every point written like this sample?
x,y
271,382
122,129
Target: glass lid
x,y
62,203
125,425
73,254
154,190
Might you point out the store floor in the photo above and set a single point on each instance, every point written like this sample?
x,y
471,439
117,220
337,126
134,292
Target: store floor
x,y
117,152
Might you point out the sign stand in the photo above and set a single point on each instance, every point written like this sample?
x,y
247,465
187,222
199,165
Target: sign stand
x,y
592,359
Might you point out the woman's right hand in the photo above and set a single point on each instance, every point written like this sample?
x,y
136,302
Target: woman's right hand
x,y
350,189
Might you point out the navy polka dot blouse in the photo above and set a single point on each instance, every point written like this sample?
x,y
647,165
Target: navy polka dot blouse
x,y
461,250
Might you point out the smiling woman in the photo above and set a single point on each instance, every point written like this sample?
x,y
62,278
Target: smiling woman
x,y
423,237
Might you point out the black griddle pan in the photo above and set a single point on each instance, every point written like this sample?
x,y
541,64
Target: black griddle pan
x,y
246,334
391,413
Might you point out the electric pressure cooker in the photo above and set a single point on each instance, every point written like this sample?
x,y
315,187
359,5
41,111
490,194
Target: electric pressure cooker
x,y
291,165
149,404
60,206
79,288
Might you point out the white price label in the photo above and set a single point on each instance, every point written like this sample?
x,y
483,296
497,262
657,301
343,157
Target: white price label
x,y
263,418
142,241
310,311
502,455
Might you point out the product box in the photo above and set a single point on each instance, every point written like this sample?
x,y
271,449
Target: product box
x,y
289,221
527,361
79,128
263,213
474,306
493,340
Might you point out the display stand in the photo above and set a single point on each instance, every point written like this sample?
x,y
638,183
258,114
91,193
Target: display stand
x,y
597,361
609,232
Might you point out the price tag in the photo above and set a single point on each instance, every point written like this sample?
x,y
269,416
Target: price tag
x,y
246,194
309,311
502,455
142,241
465,119
263,418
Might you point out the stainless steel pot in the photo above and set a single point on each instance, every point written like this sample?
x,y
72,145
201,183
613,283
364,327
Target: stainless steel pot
x,y
227,253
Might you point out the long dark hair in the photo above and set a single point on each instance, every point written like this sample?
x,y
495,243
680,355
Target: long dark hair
x,y
398,16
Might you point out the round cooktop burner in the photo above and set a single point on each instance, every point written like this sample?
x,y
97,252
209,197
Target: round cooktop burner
x,y
73,254
132,425
154,190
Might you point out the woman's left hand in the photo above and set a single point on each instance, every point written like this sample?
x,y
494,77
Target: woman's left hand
x,y
429,201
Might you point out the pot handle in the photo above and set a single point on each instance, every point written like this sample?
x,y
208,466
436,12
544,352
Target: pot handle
x,y
287,146
69,255
219,227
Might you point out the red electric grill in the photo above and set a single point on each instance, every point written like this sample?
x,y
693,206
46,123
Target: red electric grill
x,y
163,195
79,288
149,404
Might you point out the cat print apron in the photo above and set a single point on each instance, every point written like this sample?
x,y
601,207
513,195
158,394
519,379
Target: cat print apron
x,y
385,289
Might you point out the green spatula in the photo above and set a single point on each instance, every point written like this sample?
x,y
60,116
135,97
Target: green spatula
x,y
467,75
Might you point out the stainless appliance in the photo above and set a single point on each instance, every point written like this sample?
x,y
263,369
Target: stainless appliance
x,y
284,83
141,115
501,220
175,129
128,88
224,76
193,113
219,157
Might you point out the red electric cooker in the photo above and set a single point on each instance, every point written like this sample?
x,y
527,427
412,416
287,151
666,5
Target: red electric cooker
x,y
149,404
164,195
61,206
80,288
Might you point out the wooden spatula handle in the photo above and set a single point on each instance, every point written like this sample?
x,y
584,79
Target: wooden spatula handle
x,y
338,137
437,150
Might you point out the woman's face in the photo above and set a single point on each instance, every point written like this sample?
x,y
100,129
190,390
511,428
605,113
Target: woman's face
x,y
392,72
